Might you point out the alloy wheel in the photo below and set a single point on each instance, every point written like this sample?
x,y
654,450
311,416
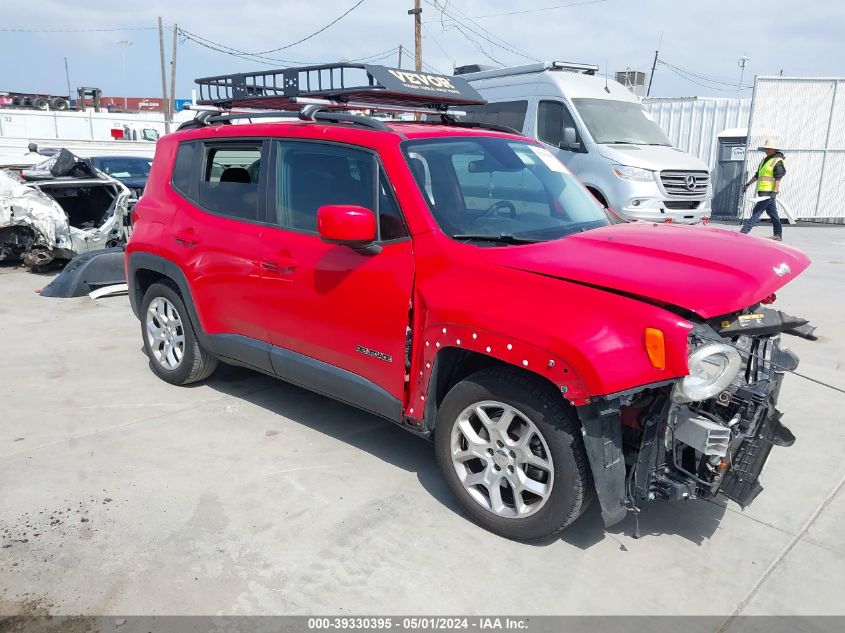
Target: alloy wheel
x,y
165,333
502,459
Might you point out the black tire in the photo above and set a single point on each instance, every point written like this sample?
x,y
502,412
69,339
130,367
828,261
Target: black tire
x,y
196,363
572,484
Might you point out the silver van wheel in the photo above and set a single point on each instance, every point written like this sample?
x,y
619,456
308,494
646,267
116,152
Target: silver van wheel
x,y
502,459
165,333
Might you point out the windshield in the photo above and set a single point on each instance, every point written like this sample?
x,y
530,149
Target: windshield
x,y
499,190
620,122
125,167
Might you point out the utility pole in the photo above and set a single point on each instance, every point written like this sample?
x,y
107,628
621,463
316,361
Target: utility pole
x,y
651,76
400,57
172,110
67,76
743,62
654,64
163,77
417,13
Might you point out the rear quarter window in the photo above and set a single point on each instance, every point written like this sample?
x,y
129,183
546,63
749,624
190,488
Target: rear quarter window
x,y
183,168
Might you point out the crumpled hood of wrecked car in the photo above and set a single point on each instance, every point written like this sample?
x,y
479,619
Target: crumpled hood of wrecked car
x,y
705,270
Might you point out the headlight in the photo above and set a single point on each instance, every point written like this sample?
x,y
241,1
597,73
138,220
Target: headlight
x,y
633,173
711,369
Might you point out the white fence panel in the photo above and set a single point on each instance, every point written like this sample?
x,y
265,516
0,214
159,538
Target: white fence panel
x,y
806,116
693,124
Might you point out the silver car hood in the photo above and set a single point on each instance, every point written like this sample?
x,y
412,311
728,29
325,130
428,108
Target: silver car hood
x,y
652,157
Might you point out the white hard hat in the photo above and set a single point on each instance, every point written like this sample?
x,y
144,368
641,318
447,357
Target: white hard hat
x,y
769,144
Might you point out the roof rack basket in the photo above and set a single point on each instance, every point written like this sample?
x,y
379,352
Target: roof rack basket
x,y
341,85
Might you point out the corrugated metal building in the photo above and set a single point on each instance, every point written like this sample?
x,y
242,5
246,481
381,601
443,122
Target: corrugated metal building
x,y
693,123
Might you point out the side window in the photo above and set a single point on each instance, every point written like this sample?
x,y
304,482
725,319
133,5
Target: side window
x,y
183,168
552,118
391,225
508,113
311,175
229,183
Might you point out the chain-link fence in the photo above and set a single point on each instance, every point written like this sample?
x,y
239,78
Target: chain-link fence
x,y
806,117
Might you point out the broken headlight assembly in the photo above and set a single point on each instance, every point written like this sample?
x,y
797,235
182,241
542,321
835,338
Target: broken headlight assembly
x,y
712,368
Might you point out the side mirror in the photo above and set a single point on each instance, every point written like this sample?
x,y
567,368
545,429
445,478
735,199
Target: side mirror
x,y
568,141
346,224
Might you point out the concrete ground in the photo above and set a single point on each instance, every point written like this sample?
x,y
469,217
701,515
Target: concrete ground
x,y
121,494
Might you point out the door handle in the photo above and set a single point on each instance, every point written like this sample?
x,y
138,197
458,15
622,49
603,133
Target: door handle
x,y
280,265
188,237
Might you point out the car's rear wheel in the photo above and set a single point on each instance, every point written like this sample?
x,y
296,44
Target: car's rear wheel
x,y
169,339
510,451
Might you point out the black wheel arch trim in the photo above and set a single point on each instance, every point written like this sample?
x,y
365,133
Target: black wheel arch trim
x,y
136,262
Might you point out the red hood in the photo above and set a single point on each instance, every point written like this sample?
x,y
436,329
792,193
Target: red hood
x,y
708,271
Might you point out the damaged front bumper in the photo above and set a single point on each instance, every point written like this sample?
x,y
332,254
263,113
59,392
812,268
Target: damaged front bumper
x,y
647,445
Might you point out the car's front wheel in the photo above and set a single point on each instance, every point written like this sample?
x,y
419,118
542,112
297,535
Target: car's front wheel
x,y
511,453
169,339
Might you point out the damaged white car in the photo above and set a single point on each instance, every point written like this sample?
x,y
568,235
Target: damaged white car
x,y
58,209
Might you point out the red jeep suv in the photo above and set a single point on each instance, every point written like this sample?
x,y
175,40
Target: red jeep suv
x,y
459,281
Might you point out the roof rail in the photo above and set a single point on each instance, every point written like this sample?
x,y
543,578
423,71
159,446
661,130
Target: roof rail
x,y
339,86
306,113
586,69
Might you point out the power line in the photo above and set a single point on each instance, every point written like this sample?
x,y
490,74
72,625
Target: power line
x,y
261,56
308,37
111,30
686,75
459,23
425,64
501,43
553,8
272,61
703,77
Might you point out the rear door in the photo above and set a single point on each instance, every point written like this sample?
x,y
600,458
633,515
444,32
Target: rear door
x,y
216,235
336,315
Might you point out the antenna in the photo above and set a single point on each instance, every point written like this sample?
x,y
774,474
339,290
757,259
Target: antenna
x,y
606,87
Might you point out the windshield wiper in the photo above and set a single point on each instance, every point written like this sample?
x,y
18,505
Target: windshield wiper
x,y
501,238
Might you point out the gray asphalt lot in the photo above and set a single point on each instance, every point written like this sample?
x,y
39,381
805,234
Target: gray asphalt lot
x,y
121,494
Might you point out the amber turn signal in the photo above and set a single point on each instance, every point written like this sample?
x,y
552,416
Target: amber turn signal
x,y
656,347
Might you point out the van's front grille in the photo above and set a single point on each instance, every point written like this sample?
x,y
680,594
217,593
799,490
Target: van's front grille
x,y
685,183
681,205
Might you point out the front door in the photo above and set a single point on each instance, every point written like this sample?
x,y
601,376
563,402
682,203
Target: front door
x,y
337,317
215,236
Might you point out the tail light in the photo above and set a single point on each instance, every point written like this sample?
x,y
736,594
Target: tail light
x,y
770,299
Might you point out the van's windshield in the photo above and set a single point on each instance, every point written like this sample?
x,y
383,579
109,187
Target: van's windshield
x,y
619,122
499,191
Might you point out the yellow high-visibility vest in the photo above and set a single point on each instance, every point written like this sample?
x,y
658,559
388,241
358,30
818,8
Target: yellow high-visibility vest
x,y
766,182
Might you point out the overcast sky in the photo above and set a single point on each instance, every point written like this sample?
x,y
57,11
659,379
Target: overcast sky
x,y
705,39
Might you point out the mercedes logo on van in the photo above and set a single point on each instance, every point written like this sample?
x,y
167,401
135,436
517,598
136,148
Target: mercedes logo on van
x,y
690,182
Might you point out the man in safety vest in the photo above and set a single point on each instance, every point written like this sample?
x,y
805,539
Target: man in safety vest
x,y
768,177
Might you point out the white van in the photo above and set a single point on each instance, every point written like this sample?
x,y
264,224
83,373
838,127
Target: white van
x,y
598,128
